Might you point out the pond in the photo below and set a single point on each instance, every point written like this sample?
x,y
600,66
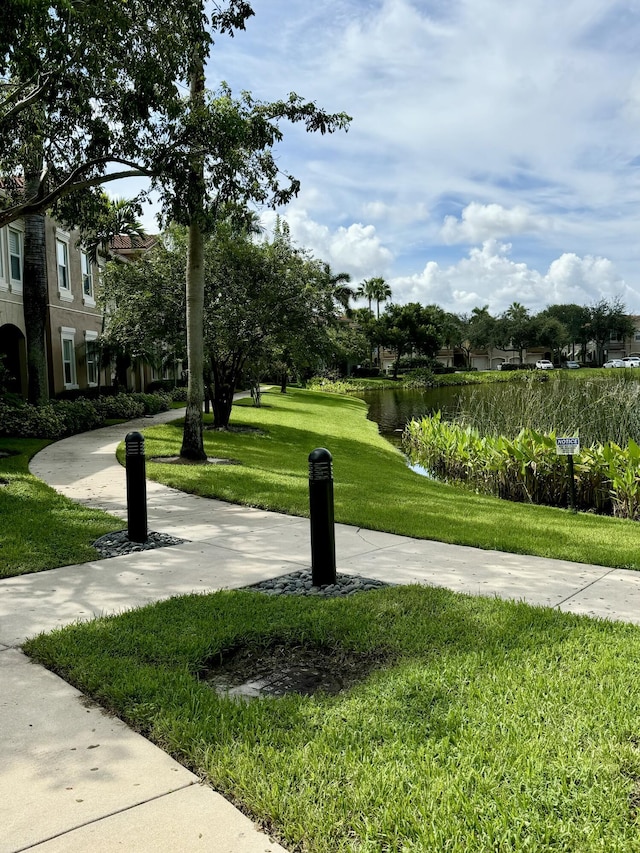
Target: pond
x,y
392,408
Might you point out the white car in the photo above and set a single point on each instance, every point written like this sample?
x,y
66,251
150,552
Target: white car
x,y
631,361
615,362
544,364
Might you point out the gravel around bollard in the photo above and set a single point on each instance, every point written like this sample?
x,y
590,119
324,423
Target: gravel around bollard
x,y
300,583
118,543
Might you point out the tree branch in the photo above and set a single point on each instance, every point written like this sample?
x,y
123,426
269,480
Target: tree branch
x,y
38,204
19,106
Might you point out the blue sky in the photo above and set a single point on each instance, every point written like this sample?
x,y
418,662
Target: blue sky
x,y
494,152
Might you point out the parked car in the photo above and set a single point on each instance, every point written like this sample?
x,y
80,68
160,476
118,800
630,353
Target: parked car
x,y
631,361
544,364
615,362
572,365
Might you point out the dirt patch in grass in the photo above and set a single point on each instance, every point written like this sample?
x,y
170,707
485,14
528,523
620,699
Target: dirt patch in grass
x,y
284,667
179,460
239,428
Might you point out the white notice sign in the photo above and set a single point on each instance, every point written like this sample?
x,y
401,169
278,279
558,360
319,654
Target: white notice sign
x,y
567,446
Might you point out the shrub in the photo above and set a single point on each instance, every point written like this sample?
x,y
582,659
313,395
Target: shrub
x,y
120,407
77,416
67,417
365,372
53,420
178,394
27,421
421,377
167,385
153,403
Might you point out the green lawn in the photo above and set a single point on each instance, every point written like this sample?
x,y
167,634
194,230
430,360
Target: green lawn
x,y
475,725
373,487
40,529
478,725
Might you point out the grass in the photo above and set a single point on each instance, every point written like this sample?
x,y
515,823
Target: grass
x,y
597,406
485,725
41,529
373,487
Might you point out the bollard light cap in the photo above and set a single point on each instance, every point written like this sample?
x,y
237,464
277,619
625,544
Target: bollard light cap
x,y
134,443
320,467
320,454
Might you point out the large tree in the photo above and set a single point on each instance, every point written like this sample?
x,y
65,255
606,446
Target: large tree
x,y
575,319
482,331
144,301
551,333
608,320
374,290
86,117
83,114
411,328
515,329
264,302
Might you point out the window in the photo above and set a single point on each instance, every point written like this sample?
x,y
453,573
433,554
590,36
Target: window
x,y
62,255
93,370
87,278
67,337
15,256
3,278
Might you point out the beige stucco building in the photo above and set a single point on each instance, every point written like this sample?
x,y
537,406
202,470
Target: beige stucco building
x,y
74,321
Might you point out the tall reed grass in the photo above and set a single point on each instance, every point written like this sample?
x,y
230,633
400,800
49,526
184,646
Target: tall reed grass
x,y
504,443
598,408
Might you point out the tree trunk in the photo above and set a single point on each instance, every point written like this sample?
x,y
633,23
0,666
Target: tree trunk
x,y
35,300
396,364
284,377
35,296
192,438
224,386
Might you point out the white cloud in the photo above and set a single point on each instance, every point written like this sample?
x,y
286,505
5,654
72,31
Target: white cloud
x,y
488,276
473,121
355,249
480,222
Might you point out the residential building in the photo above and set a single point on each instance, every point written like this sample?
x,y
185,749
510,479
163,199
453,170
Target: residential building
x,y
74,320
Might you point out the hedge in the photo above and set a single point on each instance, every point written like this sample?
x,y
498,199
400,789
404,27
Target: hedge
x,y
60,418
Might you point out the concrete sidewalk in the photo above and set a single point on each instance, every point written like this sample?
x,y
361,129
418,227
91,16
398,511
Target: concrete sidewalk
x,y
72,777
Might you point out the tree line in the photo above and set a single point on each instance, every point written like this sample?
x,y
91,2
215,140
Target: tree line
x,y
559,329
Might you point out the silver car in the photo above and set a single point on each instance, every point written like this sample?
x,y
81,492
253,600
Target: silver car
x,y
615,362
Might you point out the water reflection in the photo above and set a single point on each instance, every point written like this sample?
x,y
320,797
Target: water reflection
x,y
393,408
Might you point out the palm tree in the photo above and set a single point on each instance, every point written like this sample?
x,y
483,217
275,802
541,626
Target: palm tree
x,y
342,293
374,290
366,289
117,217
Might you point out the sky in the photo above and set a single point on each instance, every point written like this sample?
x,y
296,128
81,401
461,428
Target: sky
x,y
494,150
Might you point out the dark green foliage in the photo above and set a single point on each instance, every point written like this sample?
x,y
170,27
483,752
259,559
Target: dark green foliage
x,y
67,417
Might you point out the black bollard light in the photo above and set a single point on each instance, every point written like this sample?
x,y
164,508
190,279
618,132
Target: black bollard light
x,y
323,538
136,487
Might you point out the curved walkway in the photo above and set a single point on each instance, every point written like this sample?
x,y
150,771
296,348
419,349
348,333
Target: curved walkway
x,y
73,778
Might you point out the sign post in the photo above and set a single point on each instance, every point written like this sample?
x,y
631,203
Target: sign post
x,y
567,447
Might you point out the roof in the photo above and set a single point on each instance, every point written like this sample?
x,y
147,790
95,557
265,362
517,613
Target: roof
x,y
128,243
